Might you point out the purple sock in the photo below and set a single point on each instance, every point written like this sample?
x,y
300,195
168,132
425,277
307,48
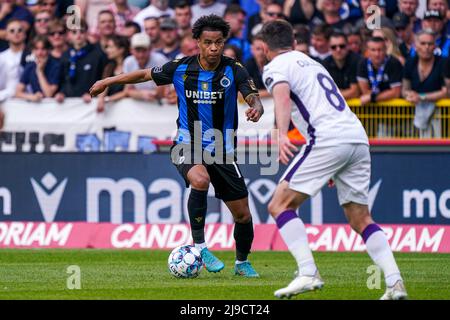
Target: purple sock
x,y
369,230
379,250
285,217
293,232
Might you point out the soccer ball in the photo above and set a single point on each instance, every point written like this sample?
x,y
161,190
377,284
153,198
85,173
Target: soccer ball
x,y
185,262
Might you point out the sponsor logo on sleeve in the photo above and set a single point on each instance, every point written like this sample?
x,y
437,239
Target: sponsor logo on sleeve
x,y
269,81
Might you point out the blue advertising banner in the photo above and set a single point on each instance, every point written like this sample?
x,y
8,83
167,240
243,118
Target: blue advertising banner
x,y
406,188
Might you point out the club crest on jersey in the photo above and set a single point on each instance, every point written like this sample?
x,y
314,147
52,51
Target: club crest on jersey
x,y
184,77
205,86
225,82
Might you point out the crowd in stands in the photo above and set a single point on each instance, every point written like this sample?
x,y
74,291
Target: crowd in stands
x,y
375,50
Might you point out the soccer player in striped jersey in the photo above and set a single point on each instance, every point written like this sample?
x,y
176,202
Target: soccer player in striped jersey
x,y
204,150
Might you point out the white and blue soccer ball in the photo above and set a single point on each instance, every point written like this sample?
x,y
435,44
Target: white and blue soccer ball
x,y
185,262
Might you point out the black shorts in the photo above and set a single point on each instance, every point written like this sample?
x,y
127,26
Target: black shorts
x,y
227,180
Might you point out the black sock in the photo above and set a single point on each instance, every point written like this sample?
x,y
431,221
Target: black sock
x,y
243,236
197,206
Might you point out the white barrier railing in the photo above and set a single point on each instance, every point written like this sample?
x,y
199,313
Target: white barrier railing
x,y
76,126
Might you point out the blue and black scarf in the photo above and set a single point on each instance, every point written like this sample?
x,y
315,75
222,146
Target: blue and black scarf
x,y
74,57
375,80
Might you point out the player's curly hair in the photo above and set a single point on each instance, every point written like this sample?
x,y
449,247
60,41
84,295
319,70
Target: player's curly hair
x,y
210,23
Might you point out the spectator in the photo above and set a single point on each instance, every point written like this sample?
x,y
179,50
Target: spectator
x,y
404,32
235,17
57,38
299,11
320,48
408,8
379,79
342,66
302,31
366,34
157,9
391,42
40,27
106,27
116,50
10,10
423,81
183,16
82,65
379,76
32,5
269,11
41,23
41,77
442,7
61,8
10,68
252,7
90,10
49,5
170,39
188,47
256,17
207,7
130,29
434,20
330,15
351,11
143,58
122,12
355,42
255,65
232,52
152,29
366,19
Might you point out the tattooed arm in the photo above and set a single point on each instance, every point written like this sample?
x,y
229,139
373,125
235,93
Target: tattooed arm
x,y
256,109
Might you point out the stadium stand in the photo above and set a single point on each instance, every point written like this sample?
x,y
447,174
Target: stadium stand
x,y
400,25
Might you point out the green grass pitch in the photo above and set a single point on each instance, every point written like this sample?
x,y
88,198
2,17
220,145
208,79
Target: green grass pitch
x,y
115,274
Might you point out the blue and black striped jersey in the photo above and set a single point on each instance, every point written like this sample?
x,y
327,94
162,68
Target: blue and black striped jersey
x,y
206,99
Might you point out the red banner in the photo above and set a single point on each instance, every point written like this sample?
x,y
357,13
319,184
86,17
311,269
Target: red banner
x,y
402,238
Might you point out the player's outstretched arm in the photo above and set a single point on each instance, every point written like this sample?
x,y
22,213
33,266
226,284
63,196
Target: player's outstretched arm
x,y
127,78
256,109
